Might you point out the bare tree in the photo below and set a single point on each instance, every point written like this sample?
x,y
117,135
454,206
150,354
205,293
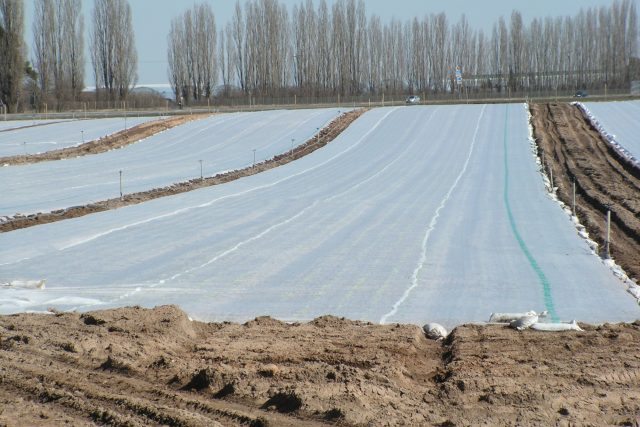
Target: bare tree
x,y
113,51
12,62
516,51
224,60
239,45
44,44
177,61
72,22
59,49
193,68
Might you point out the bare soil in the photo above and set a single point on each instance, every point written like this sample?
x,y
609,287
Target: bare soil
x,y
575,151
134,366
110,142
326,135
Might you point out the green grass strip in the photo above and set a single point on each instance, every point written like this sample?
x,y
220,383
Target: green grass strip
x,y
546,286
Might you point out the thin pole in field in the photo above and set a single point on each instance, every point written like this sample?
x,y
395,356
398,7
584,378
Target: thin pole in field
x,y
607,242
201,175
121,184
574,198
254,158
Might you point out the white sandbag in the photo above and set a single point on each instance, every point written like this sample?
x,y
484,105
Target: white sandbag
x,y
510,317
556,327
25,284
435,331
524,322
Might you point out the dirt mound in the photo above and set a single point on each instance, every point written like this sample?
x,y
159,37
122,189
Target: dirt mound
x,y
336,322
326,135
136,366
576,152
265,322
110,142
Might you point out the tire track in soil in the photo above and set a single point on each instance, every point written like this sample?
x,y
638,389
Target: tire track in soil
x,y
327,134
54,381
574,150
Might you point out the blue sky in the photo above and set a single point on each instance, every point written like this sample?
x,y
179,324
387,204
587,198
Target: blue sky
x,y
152,18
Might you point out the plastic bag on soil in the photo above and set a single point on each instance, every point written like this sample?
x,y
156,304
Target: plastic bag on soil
x,y
556,327
510,317
435,331
524,322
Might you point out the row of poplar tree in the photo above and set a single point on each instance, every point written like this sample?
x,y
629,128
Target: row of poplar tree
x,y
314,50
317,50
54,75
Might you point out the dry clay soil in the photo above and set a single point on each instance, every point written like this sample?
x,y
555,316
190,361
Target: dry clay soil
x,y
135,366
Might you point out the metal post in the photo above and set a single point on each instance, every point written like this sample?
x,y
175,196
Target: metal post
x,y
121,184
608,241
574,198
317,135
292,141
82,132
551,175
24,145
201,175
254,158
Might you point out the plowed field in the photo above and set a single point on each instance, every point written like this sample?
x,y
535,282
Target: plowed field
x,y
576,152
155,367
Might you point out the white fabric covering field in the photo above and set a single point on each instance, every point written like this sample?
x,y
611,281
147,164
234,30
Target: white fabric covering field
x,y
39,136
413,214
621,119
223,142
